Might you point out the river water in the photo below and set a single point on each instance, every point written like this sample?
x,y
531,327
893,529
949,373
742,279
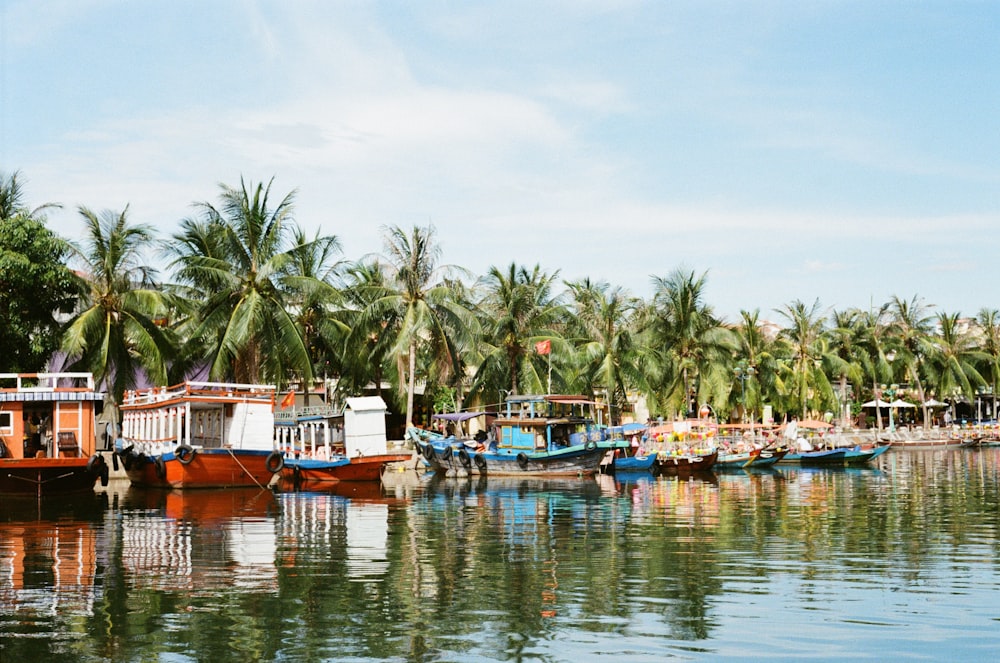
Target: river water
x,y
896,562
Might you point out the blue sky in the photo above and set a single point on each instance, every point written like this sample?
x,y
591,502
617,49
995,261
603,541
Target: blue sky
x,y
840,151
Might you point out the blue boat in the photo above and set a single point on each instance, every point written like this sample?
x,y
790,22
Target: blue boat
x,y
859,456
535,436
822,457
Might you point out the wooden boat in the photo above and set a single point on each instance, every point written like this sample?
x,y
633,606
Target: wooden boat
x,y
736,461
820,457
769,458
861,455
686,462
442,451
48,444
322,446
200,435
537,436
626,452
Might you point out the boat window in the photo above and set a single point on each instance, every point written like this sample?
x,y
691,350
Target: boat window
x,y
6,423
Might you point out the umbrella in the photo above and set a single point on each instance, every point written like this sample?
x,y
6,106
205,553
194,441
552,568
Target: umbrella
x,y
899,402
809,423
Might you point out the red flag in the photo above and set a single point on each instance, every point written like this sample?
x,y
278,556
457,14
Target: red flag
x,y
543,347
288,400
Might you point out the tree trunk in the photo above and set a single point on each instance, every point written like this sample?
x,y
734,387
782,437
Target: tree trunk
x,y
411,383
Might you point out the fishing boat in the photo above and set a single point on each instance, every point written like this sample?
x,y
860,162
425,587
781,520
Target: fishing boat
x,y
860,455
442,450
48,443
736,460
769,457
199,435
684,447
626,452
540,435
322,446
686,462
818,457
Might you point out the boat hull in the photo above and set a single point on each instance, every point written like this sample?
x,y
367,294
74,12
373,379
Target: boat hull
x,y
41,477
580,461
301,473
209,468
769,457
624,464
687,464
858,456
828,457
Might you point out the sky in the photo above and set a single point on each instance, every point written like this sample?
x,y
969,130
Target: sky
x,y
819,151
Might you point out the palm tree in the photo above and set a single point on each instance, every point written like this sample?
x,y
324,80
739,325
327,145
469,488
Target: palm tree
x,y
116,332
952,366
311,282
846,339
875,345
755,350
988,321
237,256
690,343
419,301
809,351
911,330
516,311
604,317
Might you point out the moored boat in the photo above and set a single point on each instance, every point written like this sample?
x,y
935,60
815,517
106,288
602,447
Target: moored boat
x,y
769,457
686,462
540,436
736,460
861,455
48,443
321,446
818,457
199,435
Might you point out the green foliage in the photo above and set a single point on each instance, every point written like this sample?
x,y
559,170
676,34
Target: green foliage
x,y
35,287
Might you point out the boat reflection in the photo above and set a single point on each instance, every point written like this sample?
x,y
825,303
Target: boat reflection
x,y
50,555
199,541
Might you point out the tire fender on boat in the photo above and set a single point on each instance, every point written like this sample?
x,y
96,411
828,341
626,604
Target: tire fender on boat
x,y
463,457
95,463
185,453
160,467
522,460
480,462
275,461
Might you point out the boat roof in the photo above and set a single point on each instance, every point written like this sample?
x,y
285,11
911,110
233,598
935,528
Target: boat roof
x,y
460,416
365,403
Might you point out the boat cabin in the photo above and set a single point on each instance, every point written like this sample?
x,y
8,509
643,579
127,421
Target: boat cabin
x,y
208,415
321,433
546,423
48,415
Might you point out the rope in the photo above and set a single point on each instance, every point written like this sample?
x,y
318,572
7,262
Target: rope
x,y
259,485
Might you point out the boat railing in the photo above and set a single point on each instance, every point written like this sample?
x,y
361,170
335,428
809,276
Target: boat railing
x,y
43,382
311,411
201,390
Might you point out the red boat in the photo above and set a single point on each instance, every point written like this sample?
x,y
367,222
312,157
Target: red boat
x,y
47,434
200,435
688,463
322,446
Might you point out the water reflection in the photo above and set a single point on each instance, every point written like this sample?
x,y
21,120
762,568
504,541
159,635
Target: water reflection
x,y
895,561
